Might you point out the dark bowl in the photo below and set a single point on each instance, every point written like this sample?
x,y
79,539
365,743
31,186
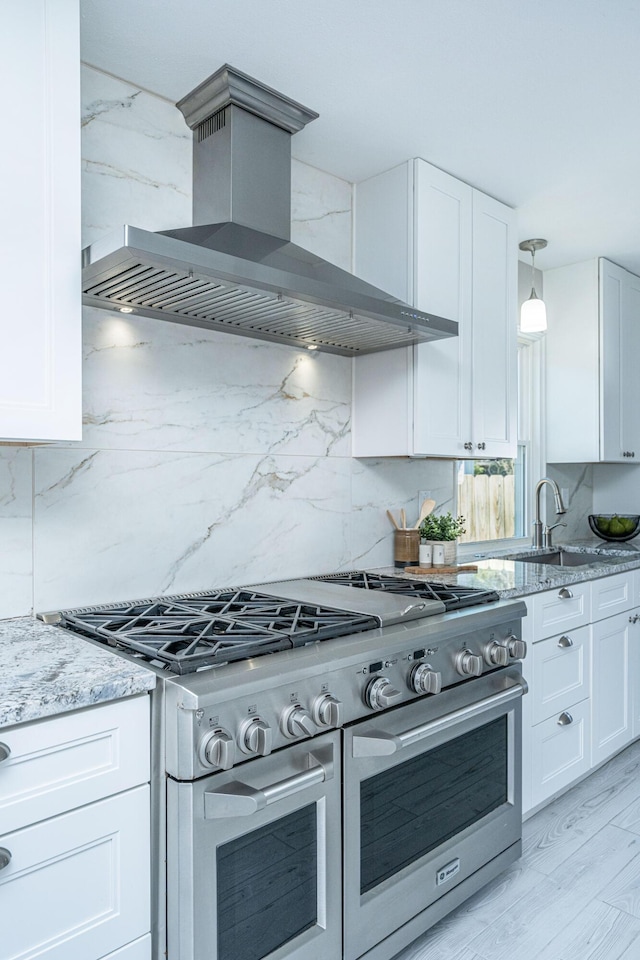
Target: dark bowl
x,y
625,526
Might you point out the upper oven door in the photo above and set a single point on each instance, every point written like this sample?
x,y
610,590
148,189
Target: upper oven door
x,y
431,794
253,859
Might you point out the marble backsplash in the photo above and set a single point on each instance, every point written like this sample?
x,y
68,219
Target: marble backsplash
x,y
207,459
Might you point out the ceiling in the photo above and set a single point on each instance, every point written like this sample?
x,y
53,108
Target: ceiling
x,y
533,103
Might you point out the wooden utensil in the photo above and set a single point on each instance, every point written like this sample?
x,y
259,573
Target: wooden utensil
x,y
425,510
393,519
403,517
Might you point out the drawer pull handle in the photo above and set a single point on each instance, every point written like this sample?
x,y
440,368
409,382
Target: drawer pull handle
x,y
5,857
633,619
565,719
5,752
565,642
565,594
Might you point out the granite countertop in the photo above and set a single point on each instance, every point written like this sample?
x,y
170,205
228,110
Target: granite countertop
x,y
512,578
48,671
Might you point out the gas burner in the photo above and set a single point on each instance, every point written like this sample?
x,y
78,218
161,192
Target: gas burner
x,y
191,632
453,597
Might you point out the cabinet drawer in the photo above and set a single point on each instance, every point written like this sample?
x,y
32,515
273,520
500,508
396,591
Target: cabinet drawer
x,y
559,752
612,595
565,608
62,763
561,672
78,885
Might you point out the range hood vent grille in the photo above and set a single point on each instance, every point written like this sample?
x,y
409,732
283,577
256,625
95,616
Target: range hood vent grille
x,y
212,125
155,290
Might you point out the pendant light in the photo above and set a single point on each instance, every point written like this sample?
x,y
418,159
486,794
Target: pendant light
x,y
533,313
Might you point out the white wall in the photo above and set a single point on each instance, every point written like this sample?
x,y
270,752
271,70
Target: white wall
x,y
207,459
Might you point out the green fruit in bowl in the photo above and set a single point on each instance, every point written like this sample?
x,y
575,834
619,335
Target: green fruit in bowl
x,y
616,527
627,525
603,524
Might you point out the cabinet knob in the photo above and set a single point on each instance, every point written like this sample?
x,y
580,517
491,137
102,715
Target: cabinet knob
x,y
482,446
634,618
565,719
468,446
565,594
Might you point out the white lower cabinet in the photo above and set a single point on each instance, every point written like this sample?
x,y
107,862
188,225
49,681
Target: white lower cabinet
x,y
88,873
583,670
559,751
75,835
612,720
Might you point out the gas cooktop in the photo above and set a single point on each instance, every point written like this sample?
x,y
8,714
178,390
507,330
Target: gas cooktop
x,y
193,631
453,597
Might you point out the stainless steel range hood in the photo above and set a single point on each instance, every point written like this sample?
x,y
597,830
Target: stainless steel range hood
x,y
236,269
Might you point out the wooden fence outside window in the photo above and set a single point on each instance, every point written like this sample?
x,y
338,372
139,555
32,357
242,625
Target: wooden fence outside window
x,y
487,502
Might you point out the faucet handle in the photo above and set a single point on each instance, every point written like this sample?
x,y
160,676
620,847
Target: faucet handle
x,y
547,532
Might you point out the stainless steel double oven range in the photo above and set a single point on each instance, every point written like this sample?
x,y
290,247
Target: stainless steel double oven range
x,y
336,760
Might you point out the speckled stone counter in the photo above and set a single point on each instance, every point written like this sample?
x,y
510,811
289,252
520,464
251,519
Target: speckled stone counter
x,y
47,671
512,578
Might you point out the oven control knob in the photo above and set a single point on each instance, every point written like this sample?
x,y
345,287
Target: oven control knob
x,y
217,749
468,664
380,694
496,654
296,722
326,711
256,737
517,648
424,679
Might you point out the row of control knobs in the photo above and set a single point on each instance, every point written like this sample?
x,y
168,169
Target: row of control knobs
x,y
381,694
218,748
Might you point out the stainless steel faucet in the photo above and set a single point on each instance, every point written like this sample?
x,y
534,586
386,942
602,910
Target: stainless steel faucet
x,y
542,533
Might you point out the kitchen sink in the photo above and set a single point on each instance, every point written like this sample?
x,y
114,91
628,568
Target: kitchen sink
x,y
560,558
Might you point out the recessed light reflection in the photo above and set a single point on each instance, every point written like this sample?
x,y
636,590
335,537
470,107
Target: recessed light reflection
x,y
125,309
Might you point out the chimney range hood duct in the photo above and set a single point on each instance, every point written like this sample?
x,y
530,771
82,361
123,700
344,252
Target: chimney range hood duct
x,y
236,269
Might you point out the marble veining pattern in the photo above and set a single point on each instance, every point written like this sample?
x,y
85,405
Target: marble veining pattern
x,y
47,671
15,532
195,390
176,522
136,159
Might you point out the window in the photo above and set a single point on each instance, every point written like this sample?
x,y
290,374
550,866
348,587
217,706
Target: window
x,y
494,496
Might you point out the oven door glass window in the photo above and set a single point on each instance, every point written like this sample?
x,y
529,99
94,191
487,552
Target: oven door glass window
x,y
412,808
267,886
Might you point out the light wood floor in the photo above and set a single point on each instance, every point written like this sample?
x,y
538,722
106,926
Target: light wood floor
x,y
574,895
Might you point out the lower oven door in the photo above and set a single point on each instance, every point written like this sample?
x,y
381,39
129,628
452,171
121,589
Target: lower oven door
x,y
253,859
432,794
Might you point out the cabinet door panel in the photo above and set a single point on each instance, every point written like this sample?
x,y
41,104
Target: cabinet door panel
x,y
611,595
442,256
86,876
612,279
40,363
62,763
560,751
630,380
560,610
561,672
494,328
611,713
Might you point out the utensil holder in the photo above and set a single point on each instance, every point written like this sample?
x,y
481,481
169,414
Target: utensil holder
x,y
406,547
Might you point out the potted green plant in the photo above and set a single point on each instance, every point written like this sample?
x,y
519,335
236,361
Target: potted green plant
x,y
443,531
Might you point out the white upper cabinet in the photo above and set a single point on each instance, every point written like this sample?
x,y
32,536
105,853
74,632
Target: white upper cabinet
x,y
449,250
593,342
40,362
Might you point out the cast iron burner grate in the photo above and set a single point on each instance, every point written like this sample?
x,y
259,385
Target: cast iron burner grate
x,y
200,630
453,597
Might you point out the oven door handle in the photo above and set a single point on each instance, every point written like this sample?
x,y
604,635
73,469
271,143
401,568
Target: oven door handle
x,y
378,743
238,799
